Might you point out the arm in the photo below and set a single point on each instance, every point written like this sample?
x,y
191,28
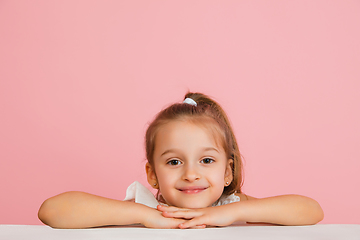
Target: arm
x,y
83,210
283,210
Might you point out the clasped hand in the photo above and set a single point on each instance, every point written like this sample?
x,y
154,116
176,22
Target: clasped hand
x,y
201,217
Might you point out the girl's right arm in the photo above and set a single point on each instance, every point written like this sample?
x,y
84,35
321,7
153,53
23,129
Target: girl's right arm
x,y
83,210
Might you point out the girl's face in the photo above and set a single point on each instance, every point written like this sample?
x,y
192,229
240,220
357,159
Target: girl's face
x,y
191,170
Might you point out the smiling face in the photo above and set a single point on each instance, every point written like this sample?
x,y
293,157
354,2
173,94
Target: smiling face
x,y
190,169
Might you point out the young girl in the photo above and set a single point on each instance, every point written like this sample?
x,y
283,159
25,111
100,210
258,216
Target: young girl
x,y
195,163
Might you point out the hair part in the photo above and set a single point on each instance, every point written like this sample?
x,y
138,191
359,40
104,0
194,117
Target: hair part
x,y
209,114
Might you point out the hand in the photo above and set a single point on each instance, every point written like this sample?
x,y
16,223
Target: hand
x,y
199,218
154,219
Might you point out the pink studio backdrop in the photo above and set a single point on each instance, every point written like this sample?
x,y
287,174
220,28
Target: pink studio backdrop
x,y
80,81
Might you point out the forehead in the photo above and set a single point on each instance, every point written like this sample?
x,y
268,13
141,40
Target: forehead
x,y
189,133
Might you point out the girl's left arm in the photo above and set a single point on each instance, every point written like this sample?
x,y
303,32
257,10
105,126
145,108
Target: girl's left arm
x,y
283,210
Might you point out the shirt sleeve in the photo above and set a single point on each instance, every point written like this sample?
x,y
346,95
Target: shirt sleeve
x,y
140,194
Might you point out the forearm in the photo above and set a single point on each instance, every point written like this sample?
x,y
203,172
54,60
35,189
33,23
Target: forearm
x,y
284,210
82,210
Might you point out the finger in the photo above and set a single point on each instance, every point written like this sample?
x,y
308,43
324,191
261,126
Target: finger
x,y
199,227
175,223
167,208
176,215
182,214
193,223
170,223
170,208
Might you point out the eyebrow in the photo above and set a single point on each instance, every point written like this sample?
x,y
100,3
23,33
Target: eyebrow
x,y
206,149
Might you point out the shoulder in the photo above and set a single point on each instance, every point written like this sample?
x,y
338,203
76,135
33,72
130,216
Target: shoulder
x,y
244,197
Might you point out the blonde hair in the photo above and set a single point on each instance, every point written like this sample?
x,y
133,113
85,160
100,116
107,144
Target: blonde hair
x,y
209,113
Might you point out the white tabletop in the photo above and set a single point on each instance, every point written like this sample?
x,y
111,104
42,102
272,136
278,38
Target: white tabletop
x,y
244,232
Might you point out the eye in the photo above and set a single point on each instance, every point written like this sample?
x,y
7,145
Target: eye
x,y
207,160
173,162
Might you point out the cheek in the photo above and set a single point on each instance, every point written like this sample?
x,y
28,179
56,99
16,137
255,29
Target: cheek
x,y
218,176
163,176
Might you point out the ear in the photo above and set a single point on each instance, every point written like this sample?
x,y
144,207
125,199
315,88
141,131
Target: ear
x,y
151,176
228,172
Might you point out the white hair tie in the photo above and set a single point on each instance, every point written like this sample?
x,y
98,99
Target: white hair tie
x,y
190,101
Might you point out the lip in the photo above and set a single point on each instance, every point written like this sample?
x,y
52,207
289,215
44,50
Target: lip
x,y
192,189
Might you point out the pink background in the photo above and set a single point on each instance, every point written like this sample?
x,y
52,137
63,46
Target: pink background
x,y
80,81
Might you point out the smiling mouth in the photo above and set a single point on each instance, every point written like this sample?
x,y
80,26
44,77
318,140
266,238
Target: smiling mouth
x,y
192,190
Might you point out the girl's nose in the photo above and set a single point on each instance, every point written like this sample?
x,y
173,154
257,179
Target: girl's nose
x,y
191,174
